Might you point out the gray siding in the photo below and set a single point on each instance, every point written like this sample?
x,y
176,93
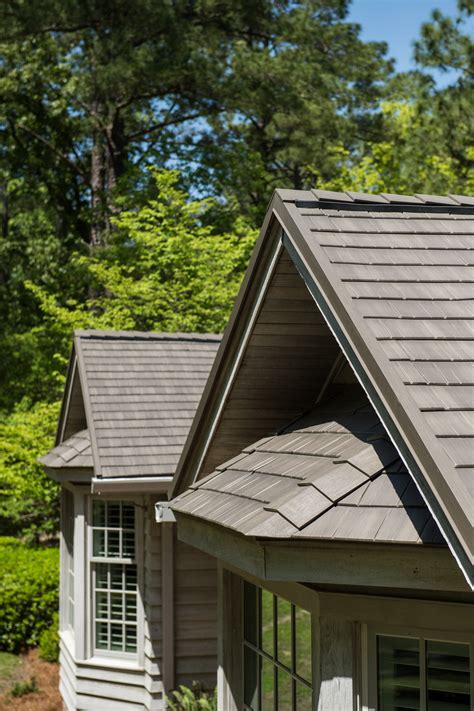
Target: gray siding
x,y
289,340
195,616
90,687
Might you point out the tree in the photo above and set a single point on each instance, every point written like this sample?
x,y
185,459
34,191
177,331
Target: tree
x,y
29,502
167,269
303,86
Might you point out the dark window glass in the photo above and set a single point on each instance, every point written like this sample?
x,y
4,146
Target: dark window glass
x,y
447,676
400,685
398,673
276,661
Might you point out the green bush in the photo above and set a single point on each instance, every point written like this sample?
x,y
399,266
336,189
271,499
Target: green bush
x,y
49,641
29,591
22,688
194,699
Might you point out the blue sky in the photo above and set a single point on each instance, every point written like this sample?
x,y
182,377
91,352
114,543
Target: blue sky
x,y
398,22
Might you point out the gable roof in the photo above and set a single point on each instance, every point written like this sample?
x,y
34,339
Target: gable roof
x,y
139,392
392,277
334,474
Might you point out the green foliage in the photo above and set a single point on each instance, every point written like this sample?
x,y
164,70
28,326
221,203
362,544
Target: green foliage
x,y
167,269
49,641
29,586
22,688
194,699
29,502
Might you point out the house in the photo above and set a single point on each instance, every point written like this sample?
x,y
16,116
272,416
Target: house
x,y
330,465
138,607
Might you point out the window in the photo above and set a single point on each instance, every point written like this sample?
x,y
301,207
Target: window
x,y
422,675
114,577
277,653
68,568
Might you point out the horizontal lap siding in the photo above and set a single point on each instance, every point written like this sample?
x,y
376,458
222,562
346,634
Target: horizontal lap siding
x,y
67,677
195,590
153,616
86,687
288,356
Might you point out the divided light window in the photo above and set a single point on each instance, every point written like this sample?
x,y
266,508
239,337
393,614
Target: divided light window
x,y
277,653
114,577
422,675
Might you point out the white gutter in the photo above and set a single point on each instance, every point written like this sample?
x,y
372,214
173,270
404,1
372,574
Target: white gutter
x,y
131,485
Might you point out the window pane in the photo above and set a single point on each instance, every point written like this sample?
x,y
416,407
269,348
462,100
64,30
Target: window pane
x,y
116,577
101,635
268,685
113,515
267,622
304,698
116,637
128,544
130,608
102,605
130,638
130,577
116,606
285,685
98,543
128,516
284,631
250,678
447,676
303,643
98,513
398,674
250,612
113,544
101,575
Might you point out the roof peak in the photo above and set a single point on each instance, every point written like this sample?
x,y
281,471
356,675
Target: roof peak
x,y
353,198
144,335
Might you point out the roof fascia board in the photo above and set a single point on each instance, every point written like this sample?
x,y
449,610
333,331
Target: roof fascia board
x,y
380,565
403,423
212,401
87,404
70,475
131,485
66,399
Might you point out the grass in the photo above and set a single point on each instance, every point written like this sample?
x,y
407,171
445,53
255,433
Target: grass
x,y
8,665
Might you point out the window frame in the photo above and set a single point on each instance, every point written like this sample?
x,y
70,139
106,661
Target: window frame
x,y
132,658
423,635
273,659
67,539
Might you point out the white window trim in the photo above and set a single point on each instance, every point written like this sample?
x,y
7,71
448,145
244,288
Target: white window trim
x,y
79,642
369,650
64,560
136,659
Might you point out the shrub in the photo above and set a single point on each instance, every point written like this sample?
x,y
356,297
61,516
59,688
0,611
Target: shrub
x,y
22,688
29,587
194,699
49,641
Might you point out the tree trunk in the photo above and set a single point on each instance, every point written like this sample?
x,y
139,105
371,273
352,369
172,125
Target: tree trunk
x,y
98,171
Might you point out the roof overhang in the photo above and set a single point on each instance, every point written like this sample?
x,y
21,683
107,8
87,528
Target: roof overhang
x,y
389,567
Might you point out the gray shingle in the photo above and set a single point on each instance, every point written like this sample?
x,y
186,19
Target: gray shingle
x,y
141,391
334,479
